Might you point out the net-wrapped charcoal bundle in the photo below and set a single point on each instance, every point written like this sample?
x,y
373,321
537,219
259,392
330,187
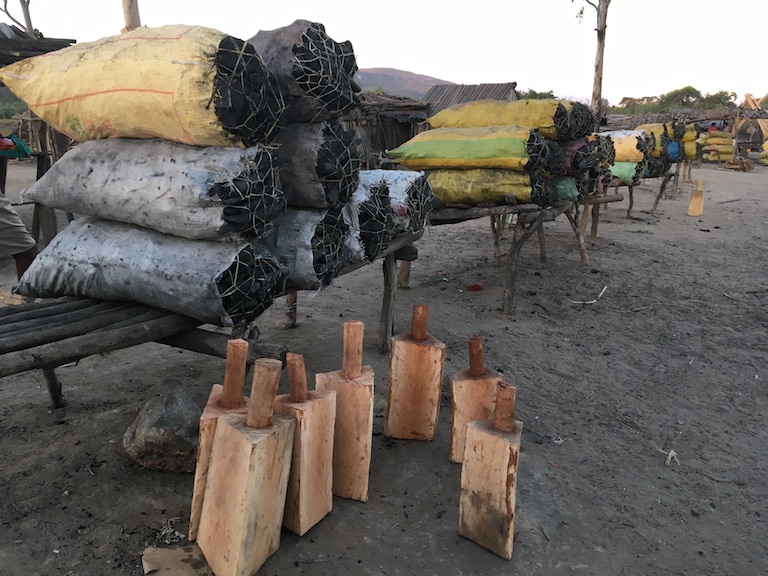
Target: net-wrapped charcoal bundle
x,y
594,183
319,163
480,186
504,147
311,244
220,283
555,119
188,84
606,150
211,193
629,145
581,155
657,167
316,72
410,197
375,216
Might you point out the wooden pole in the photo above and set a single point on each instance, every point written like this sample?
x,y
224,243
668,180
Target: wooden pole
x,y
266,379
297,377
353,430
131,15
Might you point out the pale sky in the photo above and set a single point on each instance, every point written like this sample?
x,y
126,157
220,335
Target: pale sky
x,y
653,46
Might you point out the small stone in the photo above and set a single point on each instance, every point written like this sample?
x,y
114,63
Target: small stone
x,y
165,434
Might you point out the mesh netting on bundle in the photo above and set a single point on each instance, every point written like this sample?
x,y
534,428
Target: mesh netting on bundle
x,y
410,197
214,282
250,284
582,120
657,166
311,244
581,154
211,193
606,151
543,191
544,156
319,163
593,183
375,216
316,71
247,98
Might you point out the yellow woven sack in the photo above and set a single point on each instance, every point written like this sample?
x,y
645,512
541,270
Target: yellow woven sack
x,y
464,148
719,134
690,150
719,141
719,148
147,83
530,113
626,148
657,129
480,186
764,154
690,133
718,157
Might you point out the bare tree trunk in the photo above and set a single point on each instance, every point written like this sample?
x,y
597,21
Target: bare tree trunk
x,y
27,18
597,87
131,14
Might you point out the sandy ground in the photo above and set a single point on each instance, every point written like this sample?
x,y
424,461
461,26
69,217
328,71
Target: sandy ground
x,y
673,357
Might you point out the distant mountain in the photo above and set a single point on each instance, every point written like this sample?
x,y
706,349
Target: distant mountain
x,y
396,82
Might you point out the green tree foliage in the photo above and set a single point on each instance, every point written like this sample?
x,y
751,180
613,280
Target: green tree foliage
x,y
10,105
536,95
686,97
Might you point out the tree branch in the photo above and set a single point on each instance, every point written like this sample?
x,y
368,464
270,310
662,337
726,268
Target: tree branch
x,y
591,4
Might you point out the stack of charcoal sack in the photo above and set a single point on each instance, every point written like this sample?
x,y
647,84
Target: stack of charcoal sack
x,y
632,155
492,152
170,178
338,214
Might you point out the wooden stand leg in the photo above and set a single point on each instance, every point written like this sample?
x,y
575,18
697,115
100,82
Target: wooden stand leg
x,y
631,200
387,318
496,232
676,185
595,220
662,189
291,301
584,220
522,232
54,388
542,242
579,238
404,274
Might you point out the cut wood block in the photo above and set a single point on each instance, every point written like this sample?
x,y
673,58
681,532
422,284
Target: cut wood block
x,y
489,477
353,431
473,395
416,362
310,485
224,399
247,483
696,203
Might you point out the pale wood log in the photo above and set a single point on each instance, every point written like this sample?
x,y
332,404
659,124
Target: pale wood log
x,y
353,429
415,382
309,497
489,486
244,503
215,344
224,399
473,395
504,411
297,376
352,361
404,274
266,379
291,304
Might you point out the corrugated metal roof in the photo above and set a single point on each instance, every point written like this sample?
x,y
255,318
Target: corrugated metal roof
x,y
442,96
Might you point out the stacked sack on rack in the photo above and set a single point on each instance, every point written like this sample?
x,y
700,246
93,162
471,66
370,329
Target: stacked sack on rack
x,y
492,152
331,222
764,153
632,155
186,166
718,146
